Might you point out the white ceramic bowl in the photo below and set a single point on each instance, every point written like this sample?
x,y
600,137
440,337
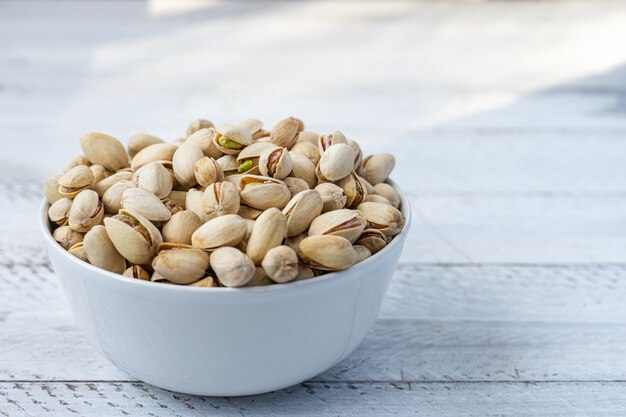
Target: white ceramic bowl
x,y
225,341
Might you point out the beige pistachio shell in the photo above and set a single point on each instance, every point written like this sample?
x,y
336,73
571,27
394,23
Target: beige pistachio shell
x,y
369,187
281,264
327,252
184,161
179,197
268,232
59,212
285,132
137,272
303,168
228,164
343,222
333,197
219,199
248,158
311,137
182,264
207,171
254,126
206,282
373,198
102,186
146,204
301,210
383,217
304,272
335,163
354,189
75,180
155,178
133,236
372,239
362,252
197,125
232,267
294,241
172,206
152,153
203,138
307,149
101,252
249,212
78,250
226,230
112,198
249,225
66,237
295,185
376,168
259,278
358,155
385,190
51,189
141,141
326,141
99,173
263,192
181,227
76,161
275,163
104,150
86,212
231,139
194,203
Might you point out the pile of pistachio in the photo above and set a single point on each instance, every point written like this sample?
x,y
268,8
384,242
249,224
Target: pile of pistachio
x,y
229,206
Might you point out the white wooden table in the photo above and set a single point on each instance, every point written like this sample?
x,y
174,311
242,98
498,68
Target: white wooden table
x,y
508,121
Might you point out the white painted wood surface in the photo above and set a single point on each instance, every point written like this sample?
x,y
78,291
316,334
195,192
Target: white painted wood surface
x,y
507,121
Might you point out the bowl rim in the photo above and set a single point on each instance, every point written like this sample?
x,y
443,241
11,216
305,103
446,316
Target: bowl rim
x,y
332,276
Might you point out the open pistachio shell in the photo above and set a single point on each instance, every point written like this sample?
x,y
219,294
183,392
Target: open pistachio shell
x,y
295,185
66,237
228,164
219,199
193,202
311,137
99,173
146,204
301,210
207,282
101,252
385,190
268,231
86,212
156,152
327,252
75,180
184,160
181,226
133,236
137,272
141,141
294,241
358,155
263,192
232,267
76,161
207,171
343,222
376,168
362,252
59,212
285,132
203,138
275,163
249,212
179,197
78,250
326,141
103,185
383,217
372,239
155,178
232,139
373,198
303,168
333,197
104,150
335,163
197,125
248,158
226,230
112,198
180,264
354,189
307,149
51,189
254,126
281,264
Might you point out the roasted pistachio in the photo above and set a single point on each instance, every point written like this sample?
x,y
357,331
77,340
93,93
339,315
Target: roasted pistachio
x,y
137,272
358,155
76,161
197,125
268,232
219,199
112,198
343,222
178,197
335,163
301,210
373,198
181,226
255,127
59,212
66,237
248,158
86,212
75,180
104,150
228,164
327,252
78,250
134,237
203,138
326,141
307,149
207,171
294,241
146,204
226,230
263,192
354,189
383,217
275,163
184,161
385,190
99,173
232,267
372,239
305,136
376,168
259,278
285,133
141,141
155,178
101,252
362,252
152,153
249,212
180,264
303,168
102,186
281,264
193,202
207,281
333,197
51,189
232,139
295,185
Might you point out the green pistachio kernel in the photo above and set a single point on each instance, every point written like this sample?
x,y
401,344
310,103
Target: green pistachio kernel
x,y
230,144
244,166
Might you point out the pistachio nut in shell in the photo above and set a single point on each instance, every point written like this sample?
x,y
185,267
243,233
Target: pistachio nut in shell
x,y
326,141
226,230
220,198
76,161
263,192
141,141
383,217
358,155
104,150
78,250
179,197
228,164
137,272
268,232
203,138
102,186
306,136
343,222
194,203
155,178
207,282
336,162
275,163
294,241
373,198
254,126
99,173
307,149
248,158
362,252
368,187
250,226
281,264
372,239
285,132
333,197
259,278
303,168
101,252
156,152
184,161
66,237
87,211
51,189
75,180
249,212
232,139
295,185
354,189
232,267
387,191
207,171
304,272
133,236
112,198
376,168
327,252
198,124
59,211
146,204
181,226
301,210
180,264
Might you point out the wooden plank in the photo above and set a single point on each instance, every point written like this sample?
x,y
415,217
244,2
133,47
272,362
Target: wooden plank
x,y
321,399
